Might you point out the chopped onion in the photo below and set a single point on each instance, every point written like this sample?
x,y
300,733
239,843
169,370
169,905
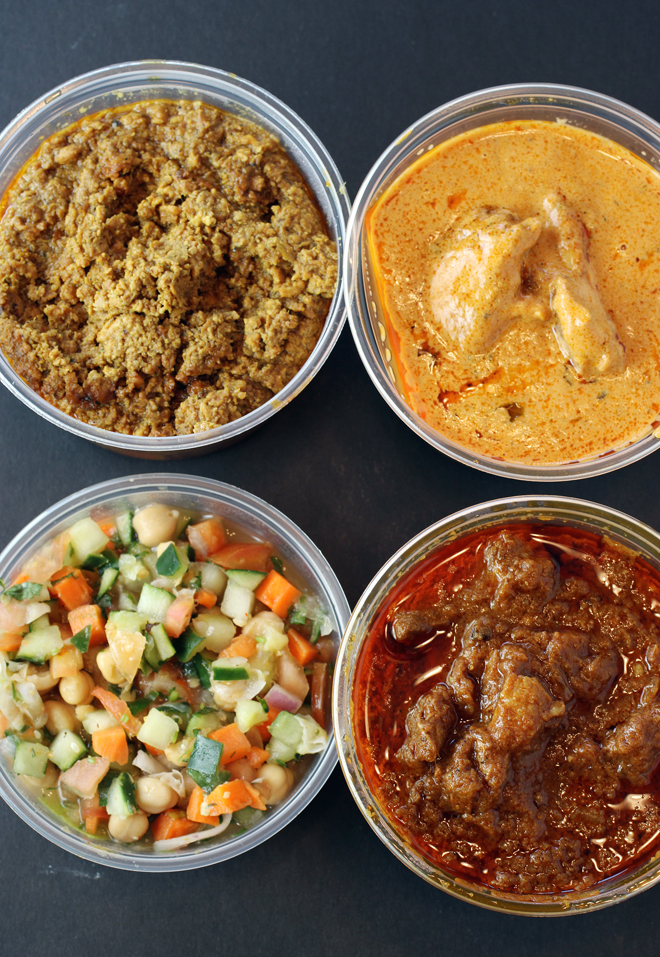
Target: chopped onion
x,y
278,697
148,763
174,843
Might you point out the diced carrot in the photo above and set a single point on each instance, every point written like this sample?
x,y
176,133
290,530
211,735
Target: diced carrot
x,y
156,752
4,724
108,527
194,810
206,537
92,812
234,796
90,615
244,555
118,709
256,757
242,646
172,823
111,743
301,649
264,727
236,745
66,663
277,593
10,643
23,577
71,587
206,598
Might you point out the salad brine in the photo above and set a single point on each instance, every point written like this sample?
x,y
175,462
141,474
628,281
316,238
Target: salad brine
x,y
160,677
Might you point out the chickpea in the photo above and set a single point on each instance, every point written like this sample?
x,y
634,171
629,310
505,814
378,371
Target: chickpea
x,y
128,829
106,665
155,524
77,689
61,717
274,782
154,796
41,677
84,710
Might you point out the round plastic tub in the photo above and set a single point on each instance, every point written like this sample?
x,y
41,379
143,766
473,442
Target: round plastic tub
x,y
548,510
263,522
125,83
582,108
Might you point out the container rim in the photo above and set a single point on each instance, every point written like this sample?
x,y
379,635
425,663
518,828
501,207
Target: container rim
x,y
310,561
600,106
616,525
262,108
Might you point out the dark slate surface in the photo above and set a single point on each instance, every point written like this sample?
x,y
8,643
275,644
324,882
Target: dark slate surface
x,y
337,460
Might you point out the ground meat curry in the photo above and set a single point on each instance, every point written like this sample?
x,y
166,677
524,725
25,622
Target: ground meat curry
x,y
163,269
507,709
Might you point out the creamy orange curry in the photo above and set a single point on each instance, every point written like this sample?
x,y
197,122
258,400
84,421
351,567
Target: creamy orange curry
x,y
518,266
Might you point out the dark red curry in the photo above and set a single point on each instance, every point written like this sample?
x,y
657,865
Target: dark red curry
x,y
507,708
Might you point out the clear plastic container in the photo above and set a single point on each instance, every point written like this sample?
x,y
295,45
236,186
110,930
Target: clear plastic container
x,y
582,108
164,79
257,518
550,510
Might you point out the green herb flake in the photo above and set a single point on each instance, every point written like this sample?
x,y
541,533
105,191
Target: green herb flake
x,y
277,564
82,638
24,591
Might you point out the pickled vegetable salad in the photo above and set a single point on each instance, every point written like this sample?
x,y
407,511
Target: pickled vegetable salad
x,y
157,676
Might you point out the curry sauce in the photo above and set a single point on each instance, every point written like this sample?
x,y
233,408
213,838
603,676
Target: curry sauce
x,y
518,268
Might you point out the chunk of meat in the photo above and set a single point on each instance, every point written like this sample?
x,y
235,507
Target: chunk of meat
x,y
475,290
634,745
589,674
467,668
409,625
585,332
519,568
522,711
428,725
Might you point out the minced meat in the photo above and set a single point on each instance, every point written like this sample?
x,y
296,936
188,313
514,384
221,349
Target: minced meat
x,y
163,269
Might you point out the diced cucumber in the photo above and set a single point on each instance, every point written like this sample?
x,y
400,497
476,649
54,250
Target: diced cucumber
x,y
204,764
158,730
248,816
121,796
98,560
230,673
40,623
86,539
204,669
132,569
108,578
184,520
237,603
298,614
125,530
205,720
154,602
287,729
141,704
98,721
189,644
39,646
164,646
249,713
245,577
168,562
31,758
280,752
128,620
126,602
214,577
179,711
66,748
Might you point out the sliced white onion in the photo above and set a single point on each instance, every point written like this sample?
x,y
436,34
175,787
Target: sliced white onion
x,y
174,843
148,763
278,697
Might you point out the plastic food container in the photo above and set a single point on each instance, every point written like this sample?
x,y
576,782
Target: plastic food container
x,y
549,510
125,83
582,108
257,518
